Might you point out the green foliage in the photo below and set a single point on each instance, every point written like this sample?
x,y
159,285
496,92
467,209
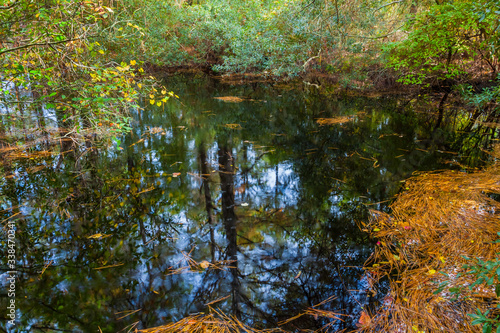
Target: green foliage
x,y
444,40
52,60
486,274
479,100
273,37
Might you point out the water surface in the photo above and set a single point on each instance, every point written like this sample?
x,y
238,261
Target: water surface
x,y
253,207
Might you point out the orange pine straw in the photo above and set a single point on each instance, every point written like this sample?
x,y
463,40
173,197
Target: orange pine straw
x,y
440,220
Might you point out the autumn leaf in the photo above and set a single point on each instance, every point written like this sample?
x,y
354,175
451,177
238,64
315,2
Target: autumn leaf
x,y
230,99
364,320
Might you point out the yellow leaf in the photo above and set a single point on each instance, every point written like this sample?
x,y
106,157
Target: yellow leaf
x,y
163,92
101,51
152,101
152,96
158,103
376,229
95,236
431,272
204,264
133,62
139,85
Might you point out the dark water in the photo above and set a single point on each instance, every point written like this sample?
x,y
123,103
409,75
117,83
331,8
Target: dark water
x,y
254,204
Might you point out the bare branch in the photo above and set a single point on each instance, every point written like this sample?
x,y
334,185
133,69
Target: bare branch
x,y
10,6
37,44
387,4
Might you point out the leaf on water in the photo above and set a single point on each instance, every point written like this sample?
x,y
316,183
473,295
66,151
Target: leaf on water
x,y
176,174
230,99
98,236
233,126
204,264
336,120
364,320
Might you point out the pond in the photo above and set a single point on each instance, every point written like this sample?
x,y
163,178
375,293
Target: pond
x,y
247,199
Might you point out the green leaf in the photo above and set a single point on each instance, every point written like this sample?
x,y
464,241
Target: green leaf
x,y
477,321
490,281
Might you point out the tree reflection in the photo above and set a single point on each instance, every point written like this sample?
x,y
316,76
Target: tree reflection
x,y
120,234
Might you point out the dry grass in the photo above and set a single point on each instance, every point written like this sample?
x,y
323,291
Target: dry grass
x,y
188,265
439,221
215,322
38,143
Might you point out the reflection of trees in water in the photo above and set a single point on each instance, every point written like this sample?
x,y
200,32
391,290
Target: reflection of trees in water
x,y
226,174
294,245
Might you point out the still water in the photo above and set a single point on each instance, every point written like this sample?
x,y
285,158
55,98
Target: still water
x,y
250,205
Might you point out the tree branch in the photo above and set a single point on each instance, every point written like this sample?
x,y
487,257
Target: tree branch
x,y
387,4
10,6
36,44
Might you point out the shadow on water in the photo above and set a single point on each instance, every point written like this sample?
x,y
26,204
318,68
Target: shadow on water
x,y
250,205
